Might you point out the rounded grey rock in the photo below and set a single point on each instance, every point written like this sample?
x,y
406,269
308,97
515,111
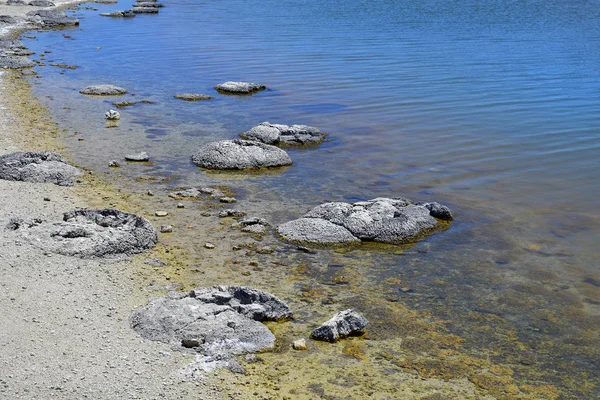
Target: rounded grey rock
x,y
239,155
295,135
192,96
316,231
239,87
51,18
145,10
103,90
342,324
37,167
143,156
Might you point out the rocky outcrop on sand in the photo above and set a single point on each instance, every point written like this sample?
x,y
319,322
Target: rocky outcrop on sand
x,y
277,134
239,87
218,322
37,167
342,324
15,62
51,18
240,155
41,3
254,225
119,14
13,47
192,96
383,220
90,233
103,90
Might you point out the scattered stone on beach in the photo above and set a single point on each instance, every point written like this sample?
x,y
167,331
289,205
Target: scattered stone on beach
x,y
254,225
300,344
342,324
231,213
103,90
15,62
217,322
239,155
148,4
166,229
112,115
192,96
41,3
119,14
180,205
228,200
383,220
239,87
145,10
276,134
142,156
92,233
114,164
161,213
37,167
209,245
51,18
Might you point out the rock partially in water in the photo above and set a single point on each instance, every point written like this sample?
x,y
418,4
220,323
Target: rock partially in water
x,y
239,155
275,134
239,87
112,115
103,90
92,234
148,4
139,157
192,96
15,62
38,167
51,18
119,14
342,324
254,225
41,3
232,213
145,10
13,47
383,220
217,322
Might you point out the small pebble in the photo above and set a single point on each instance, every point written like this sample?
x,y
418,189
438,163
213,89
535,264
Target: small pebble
x,y
180,205
114,164
228,200
166,229
161,213
46,198
300,344
150,193
209,245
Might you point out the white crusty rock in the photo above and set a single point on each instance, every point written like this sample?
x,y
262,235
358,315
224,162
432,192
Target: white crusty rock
x,y
103,90
239,155
119,14
112,115
239,87
142,156
342,324
42,166
276,134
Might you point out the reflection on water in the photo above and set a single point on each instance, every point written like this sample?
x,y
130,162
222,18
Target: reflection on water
x,y
491,107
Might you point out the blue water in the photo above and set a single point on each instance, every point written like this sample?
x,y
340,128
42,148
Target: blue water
x,y
492,107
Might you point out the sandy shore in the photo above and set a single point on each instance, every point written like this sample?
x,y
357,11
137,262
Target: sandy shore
x,y
65,331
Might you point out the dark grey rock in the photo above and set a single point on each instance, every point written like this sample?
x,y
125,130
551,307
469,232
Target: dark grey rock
x,y
51,18
228,200
231,213
15,62
37,167
103,90
277,134
93,234
239,87
383,220
16,3
145,10
240,154
7,19
143,156
191,96
41,3
218,321
148,4
342,324
119,14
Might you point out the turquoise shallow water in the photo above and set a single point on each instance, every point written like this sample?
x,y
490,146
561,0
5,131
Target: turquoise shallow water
x,y
491,107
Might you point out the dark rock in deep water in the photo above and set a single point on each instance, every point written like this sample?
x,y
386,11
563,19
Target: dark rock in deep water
x,y
239,155
342,324
239,87
103,90
383,220
276,134
37,167
92,234
51,18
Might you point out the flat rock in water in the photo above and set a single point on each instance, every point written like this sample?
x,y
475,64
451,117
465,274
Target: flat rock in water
x,y
383,220
276,134
103,90
106,1
38,167
91,234
143,156
220,320
342,324
51,18
15,62
192,96
12,47
119,14
145,10
240,87
149,4
239,155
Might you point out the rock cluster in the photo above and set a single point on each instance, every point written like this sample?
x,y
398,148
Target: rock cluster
x,y
90,233
276,134
37,167
51,18
342,324
239,87
383,220
239,155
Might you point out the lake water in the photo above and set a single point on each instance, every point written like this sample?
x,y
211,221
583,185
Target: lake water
x,y
491,107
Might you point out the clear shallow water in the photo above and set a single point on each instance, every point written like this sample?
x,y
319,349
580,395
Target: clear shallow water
x,y
492,107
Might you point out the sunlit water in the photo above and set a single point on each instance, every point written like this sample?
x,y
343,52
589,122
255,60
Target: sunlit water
x,y
490,107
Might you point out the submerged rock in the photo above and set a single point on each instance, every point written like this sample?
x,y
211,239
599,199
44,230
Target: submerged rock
x,y
51,18
342,324
92,233
217,322
382,220
283,134
240,154
103,90
119,14
145,10
192,96
106,1
15,62
42,166
143,156
239,87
